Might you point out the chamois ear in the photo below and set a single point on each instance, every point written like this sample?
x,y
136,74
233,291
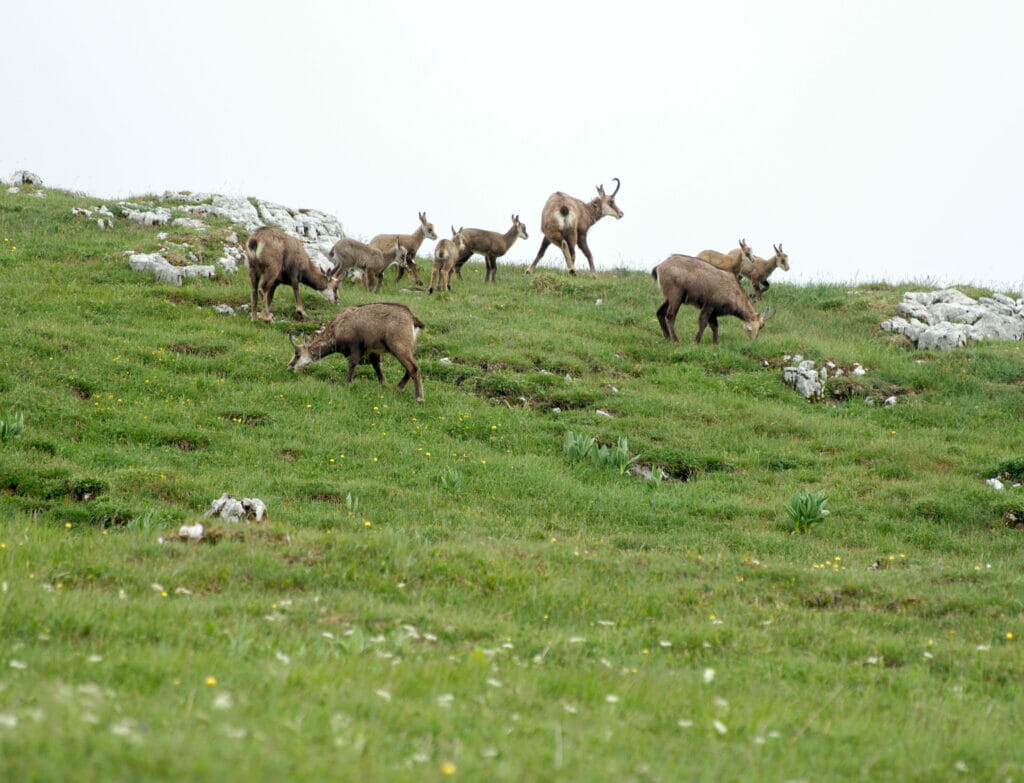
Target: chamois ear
x,y
600,190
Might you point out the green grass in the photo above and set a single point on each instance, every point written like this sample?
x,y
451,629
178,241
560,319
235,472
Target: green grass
x,y
438,585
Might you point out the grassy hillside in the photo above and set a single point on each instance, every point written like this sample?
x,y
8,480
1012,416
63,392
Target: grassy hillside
x,y
438,592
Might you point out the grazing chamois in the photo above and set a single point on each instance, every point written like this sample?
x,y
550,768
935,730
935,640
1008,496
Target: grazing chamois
x,y
350,254
365,332
491,245
446,254
732,261
758,270
565,221
279,258
410,244
713,291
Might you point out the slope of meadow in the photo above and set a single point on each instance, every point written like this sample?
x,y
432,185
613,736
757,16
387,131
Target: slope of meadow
x,y
438,593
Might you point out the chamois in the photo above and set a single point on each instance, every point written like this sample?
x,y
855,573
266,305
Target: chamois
x,y
732,261
713,291
410,244
491,245
364,332
279,258
350,254
446,253
758,270
565,221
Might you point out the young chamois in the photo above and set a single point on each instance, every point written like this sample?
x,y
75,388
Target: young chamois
x,y
758,270
365,332
446,253
350,254
565,221
713,291
410,244
279,258
732,261
491,245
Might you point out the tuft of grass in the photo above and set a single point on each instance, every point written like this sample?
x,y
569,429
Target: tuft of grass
x,y
12,424
806,509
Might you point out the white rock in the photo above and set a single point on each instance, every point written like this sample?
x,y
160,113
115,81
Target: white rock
x,y
159,266
156,217
943,336
890,401
600,412
23,177
14,189
198,225
224,309
995,483
191,532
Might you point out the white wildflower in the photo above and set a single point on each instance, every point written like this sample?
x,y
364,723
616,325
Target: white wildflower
x,y
283,657
708,675
383,694
719,726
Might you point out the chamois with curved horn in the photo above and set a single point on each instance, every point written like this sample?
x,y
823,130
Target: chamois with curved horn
x,y
565,221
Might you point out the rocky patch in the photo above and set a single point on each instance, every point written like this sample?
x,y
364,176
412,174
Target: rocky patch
x,y
947,319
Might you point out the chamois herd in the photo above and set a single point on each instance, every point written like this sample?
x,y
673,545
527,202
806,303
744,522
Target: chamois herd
x,y
709,281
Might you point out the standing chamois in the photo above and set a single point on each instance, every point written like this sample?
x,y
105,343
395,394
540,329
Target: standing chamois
x,y
350,254
758,269
364,332
446,253
713,291
280,258
410,244
565,221
491,245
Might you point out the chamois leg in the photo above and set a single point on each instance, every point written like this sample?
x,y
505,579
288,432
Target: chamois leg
x,y
570,256
492,268
702,323
662,321
353,361
412,370
254,278
300,314
543,246
267,288
435,277
587,253
374,359
713,320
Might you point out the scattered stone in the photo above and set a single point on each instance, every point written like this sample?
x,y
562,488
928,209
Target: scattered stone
x,y
890,401
809,379
14,189
947,319
224,309
191,532
158,216
198,225
25,178
995,483
231,509
600,412
164,270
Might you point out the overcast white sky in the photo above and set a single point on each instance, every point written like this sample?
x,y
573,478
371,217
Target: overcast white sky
x,y
875,140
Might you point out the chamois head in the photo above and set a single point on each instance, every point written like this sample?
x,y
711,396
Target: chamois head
x,y
781,258
458,239
753,327
520,227
746,252
608,206
428,227
302,357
